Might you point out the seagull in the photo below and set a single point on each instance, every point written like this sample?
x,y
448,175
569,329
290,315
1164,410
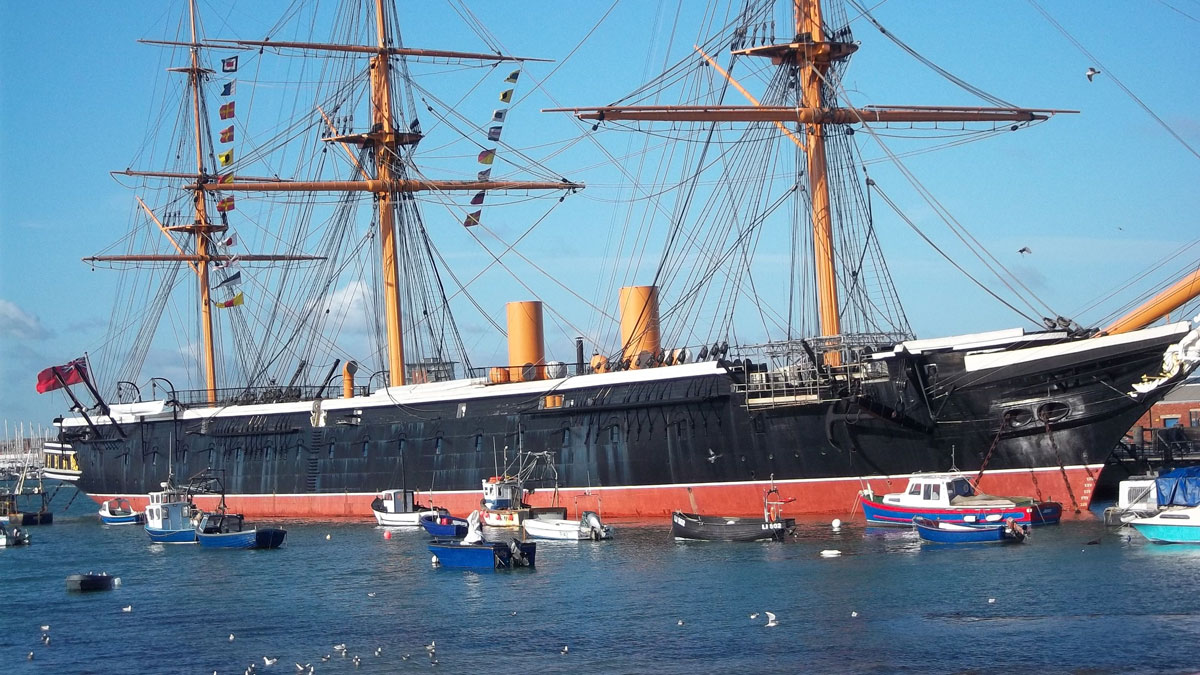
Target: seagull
x,y
991,601
341,647
356,660
45,639
754,616
46,627
431,646
299,668
853,614
378,651
1091,72
371,594
712,456
771,622
680,623
127,608
231,637
405,657
514,613
269,662
327,657
1024,250
328,537
565,649
30,657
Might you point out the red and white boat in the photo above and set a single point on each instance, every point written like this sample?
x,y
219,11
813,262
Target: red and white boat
x,y
952,498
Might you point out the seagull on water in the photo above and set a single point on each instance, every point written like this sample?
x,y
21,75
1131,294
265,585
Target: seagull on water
x,y
45,627
30,657
45,639
680,623
231,637
991,601
565,649
341,647
853,613
379,651
1091,72
127,608
269,662
405,657
302,668
356,660
754,616
1024,250
431,646
771,622
326,657
371,594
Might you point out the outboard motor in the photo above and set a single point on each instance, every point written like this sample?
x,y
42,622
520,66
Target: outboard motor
x,y
595,528
518,556
377,504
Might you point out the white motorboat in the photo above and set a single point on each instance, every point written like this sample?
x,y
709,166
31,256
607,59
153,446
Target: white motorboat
x,y
587,527
399,508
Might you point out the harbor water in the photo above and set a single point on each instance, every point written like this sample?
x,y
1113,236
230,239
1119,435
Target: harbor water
x,y
1075,598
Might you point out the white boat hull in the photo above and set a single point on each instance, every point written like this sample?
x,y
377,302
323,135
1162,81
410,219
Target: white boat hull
x,y
553,528
410,519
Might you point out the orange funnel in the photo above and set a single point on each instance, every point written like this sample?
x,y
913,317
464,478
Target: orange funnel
x,y
526,349
639,325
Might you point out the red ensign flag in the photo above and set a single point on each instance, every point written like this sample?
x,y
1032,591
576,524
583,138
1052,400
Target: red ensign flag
x,y
71,373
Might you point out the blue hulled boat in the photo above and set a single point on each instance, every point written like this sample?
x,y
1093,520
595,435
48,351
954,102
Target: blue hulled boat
x,y
119,512
472,552
444,526
228,530
1178,520
950,497
944,532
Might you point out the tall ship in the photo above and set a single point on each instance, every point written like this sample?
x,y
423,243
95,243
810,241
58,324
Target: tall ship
x,y
267,217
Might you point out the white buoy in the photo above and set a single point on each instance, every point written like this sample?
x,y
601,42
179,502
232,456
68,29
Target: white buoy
x,y
830,553
853,613
837,523
328,537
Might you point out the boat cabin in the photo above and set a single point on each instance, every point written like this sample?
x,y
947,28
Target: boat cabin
x,y
170,509
220,523
502,492
1138,494
936,490
117,508
396,501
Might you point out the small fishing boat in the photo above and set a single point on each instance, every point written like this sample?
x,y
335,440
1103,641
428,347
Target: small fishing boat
x,y
503,502
588,526
12,535
10,513
228,530
444,526
171,516
399,508
85,583
945,532
473,552
950,497
1178,520
119,512
731,528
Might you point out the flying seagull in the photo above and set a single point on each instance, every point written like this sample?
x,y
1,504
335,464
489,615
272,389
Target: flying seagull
x,y
1091,72
771,622
269,662
1024,250
712,456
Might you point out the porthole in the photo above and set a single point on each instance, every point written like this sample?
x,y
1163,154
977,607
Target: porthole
x,y
1053,411
1018,417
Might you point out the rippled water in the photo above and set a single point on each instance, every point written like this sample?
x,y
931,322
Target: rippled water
x,y
1060,605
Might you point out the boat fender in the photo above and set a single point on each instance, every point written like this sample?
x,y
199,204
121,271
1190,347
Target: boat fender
x,y
435,561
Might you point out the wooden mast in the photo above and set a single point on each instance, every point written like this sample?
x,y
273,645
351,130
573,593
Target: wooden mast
x,y
813,54
203,227
385,150
808,22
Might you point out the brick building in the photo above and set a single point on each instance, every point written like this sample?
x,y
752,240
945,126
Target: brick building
x,y
1180,408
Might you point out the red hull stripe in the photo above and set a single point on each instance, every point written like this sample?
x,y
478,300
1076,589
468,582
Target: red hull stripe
x,y
813,497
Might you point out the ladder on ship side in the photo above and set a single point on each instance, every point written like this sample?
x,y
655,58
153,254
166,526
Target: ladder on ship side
x,y
313,475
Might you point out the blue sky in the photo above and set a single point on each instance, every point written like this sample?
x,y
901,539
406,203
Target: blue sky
x,y
1098,197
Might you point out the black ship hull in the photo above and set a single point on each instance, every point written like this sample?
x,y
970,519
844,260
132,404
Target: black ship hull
x,y
1040,417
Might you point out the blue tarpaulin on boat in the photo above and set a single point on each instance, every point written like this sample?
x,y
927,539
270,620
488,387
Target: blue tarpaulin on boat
x,y
1180,487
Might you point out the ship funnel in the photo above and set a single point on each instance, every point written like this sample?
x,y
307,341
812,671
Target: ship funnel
x,y
348,372
526,349
639,325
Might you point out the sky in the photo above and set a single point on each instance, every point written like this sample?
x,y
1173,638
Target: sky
x,y
1098,197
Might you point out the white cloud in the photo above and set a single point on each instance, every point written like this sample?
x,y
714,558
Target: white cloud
x,y
16,322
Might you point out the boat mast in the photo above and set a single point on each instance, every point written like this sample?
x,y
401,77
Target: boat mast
x,y
202,226
813,55
385,149
813,69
